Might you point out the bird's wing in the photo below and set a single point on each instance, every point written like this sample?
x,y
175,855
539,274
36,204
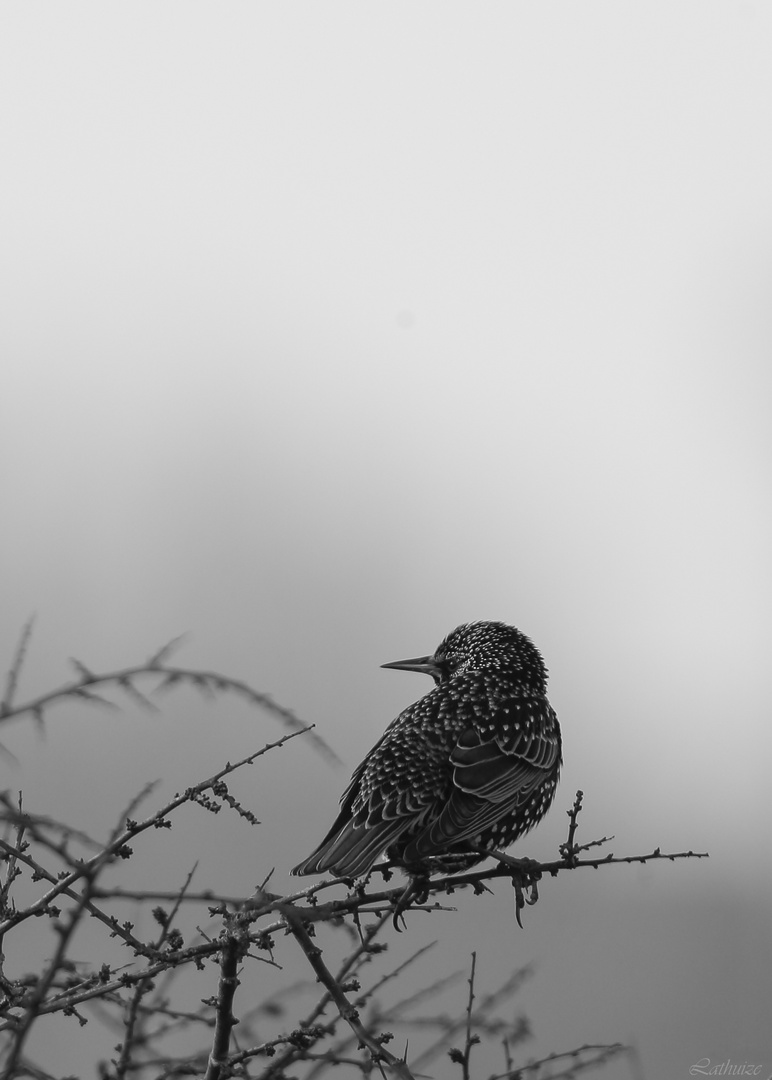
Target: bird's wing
x,y
493,774
368,822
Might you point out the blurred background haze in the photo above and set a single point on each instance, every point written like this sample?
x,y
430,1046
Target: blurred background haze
x,y
328,327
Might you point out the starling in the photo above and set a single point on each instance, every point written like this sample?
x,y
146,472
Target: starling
x,y
470,767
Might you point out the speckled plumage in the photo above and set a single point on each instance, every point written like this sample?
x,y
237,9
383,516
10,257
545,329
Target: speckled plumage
x,y
471,766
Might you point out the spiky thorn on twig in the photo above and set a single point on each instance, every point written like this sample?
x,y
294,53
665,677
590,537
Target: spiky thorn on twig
x,y
12,681
568,850
16,666
158,657
461,1057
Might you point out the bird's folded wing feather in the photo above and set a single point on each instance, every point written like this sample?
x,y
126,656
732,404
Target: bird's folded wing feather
x,y
491,773
372,816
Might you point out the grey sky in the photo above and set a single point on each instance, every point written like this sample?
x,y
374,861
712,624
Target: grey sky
x,y
326,327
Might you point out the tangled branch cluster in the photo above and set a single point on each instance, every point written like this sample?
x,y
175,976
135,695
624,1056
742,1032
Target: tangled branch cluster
x,y
62,870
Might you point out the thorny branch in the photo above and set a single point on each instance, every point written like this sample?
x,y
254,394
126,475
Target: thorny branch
x,y
163,675
573,1062
134,1011
135,995
234,948
462,1057
348,1012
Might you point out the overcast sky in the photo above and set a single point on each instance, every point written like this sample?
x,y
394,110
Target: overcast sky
x,y
328,326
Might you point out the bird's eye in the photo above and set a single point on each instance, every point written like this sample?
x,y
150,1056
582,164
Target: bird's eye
x,y
442,671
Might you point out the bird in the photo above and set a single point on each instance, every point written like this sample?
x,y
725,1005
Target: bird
x,y
467,769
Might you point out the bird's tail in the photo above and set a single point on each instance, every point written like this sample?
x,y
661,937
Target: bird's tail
x,y
350,850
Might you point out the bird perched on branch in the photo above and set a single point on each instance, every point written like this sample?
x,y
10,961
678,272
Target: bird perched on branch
x,y
467,769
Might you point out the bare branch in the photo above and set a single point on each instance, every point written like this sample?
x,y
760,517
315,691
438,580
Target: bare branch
x,y
233,950
16,665
60,869
579,1060
205,681
462,1057
313,953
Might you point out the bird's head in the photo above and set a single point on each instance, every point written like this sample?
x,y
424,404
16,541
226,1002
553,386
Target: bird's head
x,y
483,647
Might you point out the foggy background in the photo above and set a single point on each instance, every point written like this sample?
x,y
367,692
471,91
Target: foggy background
x,y
327,327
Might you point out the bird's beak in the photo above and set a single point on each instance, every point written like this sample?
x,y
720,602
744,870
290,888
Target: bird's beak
x,y
427,665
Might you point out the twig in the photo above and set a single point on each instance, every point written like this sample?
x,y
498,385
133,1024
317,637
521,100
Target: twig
x,y
310,1025
313,953
234,948
134,828
389,1015
567,850
33,1004
603,1052
462,1057
16,666
124,1061
206,681
489,1002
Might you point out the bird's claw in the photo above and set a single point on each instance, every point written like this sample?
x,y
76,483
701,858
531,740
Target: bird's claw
x,y
525,874
417,889
525,893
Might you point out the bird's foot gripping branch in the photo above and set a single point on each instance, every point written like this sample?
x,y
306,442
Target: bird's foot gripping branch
x,y
423,892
